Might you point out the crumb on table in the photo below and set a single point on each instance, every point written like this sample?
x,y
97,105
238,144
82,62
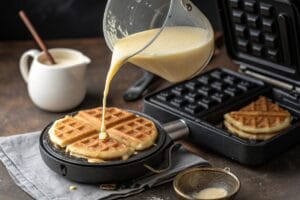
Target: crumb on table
x,y
72,187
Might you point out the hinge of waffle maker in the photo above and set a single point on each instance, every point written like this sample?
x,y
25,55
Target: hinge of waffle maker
x,y
272,81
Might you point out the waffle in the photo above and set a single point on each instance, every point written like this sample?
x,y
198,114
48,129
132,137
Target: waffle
x,y
68,130
113,116
80,134
245,135
138,133
260,117
94,149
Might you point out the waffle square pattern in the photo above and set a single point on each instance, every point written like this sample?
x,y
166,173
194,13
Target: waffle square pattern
x,y
79,135
259,120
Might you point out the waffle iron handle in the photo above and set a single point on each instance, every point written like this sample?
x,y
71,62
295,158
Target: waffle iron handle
x,y
169,157
177,129
137,90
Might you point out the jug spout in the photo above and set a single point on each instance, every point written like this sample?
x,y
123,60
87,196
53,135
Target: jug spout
x,y
86,60
79,67
82,62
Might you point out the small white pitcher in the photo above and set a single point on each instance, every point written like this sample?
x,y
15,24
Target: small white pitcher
x,y
57,87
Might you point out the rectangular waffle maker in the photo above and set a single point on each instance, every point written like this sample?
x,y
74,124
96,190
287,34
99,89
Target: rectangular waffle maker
x,y
260,36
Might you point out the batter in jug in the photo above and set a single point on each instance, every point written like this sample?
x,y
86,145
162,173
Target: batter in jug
x,y
177,54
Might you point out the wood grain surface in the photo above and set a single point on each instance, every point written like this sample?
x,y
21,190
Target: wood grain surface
x,y
278,179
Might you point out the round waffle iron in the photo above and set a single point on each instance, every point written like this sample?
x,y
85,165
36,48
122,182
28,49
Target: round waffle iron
x,y
80,170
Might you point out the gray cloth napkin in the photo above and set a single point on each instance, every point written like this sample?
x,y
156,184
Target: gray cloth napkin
x,y
20,155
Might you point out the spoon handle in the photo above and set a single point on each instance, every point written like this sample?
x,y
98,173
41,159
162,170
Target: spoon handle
x,y
36,36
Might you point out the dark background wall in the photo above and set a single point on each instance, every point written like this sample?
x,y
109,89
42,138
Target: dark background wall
x,y
67,18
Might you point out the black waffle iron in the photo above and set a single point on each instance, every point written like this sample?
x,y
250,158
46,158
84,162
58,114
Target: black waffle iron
x,y
153,160
261,36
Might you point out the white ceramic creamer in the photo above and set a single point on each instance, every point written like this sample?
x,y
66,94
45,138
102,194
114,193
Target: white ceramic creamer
x,y
56,87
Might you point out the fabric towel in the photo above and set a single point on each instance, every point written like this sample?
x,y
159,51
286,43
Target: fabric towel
x,y
21,156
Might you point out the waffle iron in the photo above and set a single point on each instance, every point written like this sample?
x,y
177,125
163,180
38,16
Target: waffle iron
x,y
153,160
258,36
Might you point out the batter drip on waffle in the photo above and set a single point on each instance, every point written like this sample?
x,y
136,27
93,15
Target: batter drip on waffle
x,y
96,150
261,120
79,135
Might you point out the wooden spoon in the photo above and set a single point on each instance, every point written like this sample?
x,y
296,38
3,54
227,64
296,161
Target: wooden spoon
x,y
36,36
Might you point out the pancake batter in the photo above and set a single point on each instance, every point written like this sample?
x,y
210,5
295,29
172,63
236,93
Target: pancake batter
x,y
178,53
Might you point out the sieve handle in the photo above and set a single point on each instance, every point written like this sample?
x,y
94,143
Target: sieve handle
x,y
176,129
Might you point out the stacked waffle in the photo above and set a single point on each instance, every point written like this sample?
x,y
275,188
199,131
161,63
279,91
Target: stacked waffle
x,y
79,135
260,120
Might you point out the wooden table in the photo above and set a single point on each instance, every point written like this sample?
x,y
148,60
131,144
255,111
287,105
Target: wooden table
x,y
278,179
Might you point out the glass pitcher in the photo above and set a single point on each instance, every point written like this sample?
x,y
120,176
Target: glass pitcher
x,y
190,35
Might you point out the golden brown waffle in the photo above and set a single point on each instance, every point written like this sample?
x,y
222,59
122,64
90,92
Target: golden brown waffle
x,y
113,116
68,130
139,133
245,135
261,116
80,134
94,149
